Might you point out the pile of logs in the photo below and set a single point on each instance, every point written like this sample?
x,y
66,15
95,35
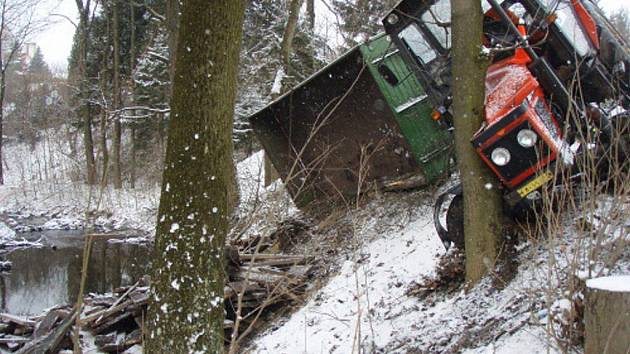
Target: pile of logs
x,y
255,285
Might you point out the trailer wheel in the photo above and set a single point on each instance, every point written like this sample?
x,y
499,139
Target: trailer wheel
x,y
455,221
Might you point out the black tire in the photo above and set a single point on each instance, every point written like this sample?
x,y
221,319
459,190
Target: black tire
x,y
455,221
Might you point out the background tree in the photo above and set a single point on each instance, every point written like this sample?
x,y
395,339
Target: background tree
x,y
621,22
482,205
186,312
360,19
17,24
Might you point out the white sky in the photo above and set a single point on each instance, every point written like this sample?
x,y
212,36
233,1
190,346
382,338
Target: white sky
x,y
56,41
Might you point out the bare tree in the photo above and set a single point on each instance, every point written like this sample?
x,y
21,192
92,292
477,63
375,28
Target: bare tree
x,y
85,10
117,174
18,23
482,205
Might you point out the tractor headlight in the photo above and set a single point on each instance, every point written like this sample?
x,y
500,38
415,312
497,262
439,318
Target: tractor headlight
x,y
500,156
392,19
527,138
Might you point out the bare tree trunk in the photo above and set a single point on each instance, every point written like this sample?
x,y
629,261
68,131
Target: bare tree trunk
x,y
285,60
2,90
84,110
103,147
310,12
188,272
482,205
172,23
132,65
289,32
116,171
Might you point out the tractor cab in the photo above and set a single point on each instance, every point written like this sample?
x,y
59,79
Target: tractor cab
x,y
540,50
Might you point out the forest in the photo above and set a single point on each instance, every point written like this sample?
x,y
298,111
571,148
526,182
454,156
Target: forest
x,y
316,176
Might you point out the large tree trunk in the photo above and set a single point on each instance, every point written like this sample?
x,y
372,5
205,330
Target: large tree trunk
x,y
116,171
482,205
186,312
607,315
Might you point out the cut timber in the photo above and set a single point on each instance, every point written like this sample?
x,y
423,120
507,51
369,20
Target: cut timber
x,y
46,324
7,318
607,315
50,342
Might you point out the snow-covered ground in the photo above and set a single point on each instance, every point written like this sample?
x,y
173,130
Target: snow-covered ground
x,y
37,197
365,308
361,302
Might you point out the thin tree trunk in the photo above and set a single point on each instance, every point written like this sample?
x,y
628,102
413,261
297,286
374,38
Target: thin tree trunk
x,y
172,23
103,147
2,90
132,65
117,170
186,312
289,32
310,12
285,60
84,110
482,205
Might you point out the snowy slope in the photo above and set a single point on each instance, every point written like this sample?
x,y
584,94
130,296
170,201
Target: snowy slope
x,y
365,306
367,291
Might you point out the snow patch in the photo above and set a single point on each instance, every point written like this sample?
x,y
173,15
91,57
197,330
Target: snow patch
x,y
618,283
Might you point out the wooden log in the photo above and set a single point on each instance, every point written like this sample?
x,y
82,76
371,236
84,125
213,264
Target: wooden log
x,y
139,297
607,315
6,328
46,325
50,343
122,297
110,322
6,339
21,321
105,313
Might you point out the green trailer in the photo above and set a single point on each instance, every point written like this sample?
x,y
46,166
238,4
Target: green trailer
x,y
363,121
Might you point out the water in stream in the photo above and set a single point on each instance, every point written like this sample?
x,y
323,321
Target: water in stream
x,y
48,276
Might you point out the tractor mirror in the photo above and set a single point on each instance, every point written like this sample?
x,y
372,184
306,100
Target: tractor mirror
x,y
388,75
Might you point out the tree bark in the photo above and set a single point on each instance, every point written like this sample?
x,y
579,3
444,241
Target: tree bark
x,y
310,12
289,33
84,110
607,315
186,310
172,23
482,205
2,93
116,170
285,60
132,65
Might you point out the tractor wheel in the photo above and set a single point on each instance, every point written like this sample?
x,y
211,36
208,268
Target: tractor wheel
x,y
455,221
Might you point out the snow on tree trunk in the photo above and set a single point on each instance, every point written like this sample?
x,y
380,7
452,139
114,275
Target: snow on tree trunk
x,y
186,311
607,315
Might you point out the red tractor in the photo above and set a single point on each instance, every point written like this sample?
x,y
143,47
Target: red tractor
x,y
535,114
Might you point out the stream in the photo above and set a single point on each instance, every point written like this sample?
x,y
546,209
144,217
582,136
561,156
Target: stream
x,y
44,277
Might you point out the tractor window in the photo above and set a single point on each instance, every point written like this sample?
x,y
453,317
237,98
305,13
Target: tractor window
x,y
438,20
416,42
569,25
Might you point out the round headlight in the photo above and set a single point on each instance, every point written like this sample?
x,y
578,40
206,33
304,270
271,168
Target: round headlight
x,y
500,156
392,19
527,138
